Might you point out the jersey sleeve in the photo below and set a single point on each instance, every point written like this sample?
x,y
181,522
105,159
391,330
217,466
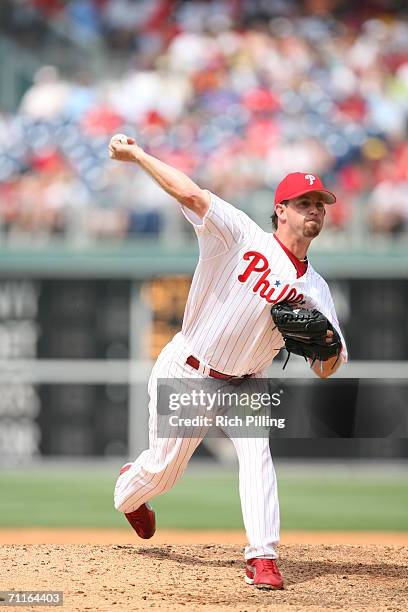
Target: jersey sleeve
x,y
223,227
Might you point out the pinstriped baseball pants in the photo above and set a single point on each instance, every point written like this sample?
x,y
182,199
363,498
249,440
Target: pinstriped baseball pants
x,y
157,469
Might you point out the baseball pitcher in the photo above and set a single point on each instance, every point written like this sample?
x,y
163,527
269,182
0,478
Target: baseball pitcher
x,y
252,293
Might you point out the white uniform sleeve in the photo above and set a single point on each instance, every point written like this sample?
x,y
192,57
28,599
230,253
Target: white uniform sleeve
x,y
223,227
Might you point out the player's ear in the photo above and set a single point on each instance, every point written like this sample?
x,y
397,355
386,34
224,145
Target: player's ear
x,y
280,210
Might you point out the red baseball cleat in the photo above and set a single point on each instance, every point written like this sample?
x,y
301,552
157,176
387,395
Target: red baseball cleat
x,y
263,574
143,520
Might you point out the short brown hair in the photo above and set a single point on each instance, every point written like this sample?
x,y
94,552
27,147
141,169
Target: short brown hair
x,y
274,217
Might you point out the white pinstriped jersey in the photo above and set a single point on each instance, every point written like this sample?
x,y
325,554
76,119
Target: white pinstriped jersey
x,y
242,271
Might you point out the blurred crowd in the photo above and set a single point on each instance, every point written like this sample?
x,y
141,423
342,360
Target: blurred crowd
x,y
236,93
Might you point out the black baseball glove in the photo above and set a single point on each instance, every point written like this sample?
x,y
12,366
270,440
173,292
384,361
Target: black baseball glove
x,y
305,332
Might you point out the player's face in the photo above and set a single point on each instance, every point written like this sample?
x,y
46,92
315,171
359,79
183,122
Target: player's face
x,y
305,214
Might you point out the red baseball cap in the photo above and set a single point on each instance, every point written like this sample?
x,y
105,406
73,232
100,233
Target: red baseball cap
x,y
296,184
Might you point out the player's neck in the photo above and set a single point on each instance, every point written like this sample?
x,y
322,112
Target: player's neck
x,y
297,246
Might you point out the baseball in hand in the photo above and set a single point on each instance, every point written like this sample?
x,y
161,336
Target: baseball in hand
x,y
122,138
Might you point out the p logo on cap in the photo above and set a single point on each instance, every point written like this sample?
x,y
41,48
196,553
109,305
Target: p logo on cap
x,y
296,184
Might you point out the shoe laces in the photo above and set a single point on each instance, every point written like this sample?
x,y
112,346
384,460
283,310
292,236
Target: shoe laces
x,y
267,564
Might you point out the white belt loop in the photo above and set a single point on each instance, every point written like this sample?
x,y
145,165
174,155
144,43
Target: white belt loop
x,y
204,369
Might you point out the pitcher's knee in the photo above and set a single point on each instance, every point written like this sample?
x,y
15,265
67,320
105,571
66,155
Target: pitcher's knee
x,y
121,505
125,502
157,485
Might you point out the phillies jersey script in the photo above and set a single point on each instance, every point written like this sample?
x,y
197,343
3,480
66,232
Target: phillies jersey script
x,y
242,272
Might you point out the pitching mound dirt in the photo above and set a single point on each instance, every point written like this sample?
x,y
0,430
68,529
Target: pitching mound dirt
x,y
49,535
170,577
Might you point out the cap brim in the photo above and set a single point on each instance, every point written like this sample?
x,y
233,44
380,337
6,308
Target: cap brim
x,y
328,196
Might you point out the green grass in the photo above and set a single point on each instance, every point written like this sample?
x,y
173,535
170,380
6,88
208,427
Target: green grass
x,y
344,504
204,500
